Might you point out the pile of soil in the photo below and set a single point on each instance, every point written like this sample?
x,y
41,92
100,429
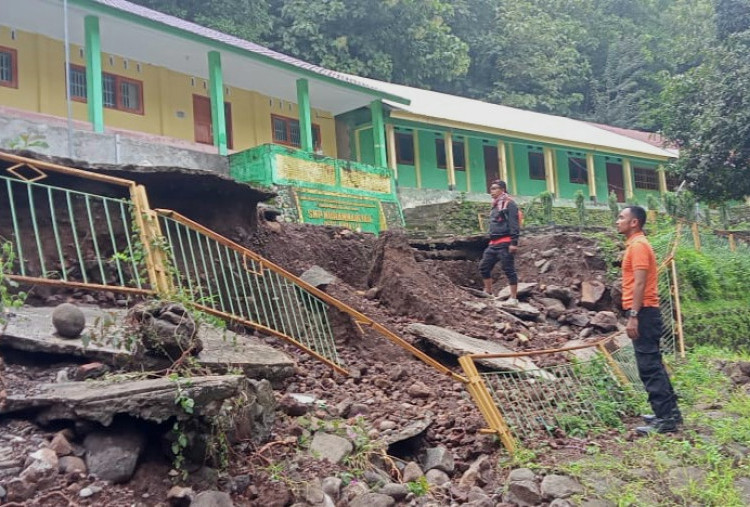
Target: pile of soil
x,y
392,283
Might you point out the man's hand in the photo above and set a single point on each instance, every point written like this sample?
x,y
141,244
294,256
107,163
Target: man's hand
x,y
513,248
632,328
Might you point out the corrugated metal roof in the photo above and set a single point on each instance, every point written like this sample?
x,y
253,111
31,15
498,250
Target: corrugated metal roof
x,y
494,117
208,33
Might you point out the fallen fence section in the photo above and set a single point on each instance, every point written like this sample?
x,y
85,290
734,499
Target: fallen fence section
x,y
592,389
116,242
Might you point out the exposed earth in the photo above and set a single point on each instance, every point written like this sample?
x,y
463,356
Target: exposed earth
x,y
398,413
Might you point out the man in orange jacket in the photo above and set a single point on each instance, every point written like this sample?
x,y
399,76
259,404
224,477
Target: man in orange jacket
x,y
640,300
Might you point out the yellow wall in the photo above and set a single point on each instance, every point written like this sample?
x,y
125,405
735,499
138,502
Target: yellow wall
x,y
167,95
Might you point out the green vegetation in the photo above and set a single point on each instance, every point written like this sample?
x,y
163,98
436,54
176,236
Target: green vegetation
x,y
10,297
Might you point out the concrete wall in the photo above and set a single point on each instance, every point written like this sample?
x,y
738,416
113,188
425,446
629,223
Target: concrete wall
x,y
108,148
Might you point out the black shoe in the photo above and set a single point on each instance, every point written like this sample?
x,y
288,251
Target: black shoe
x,y
650,418
657,426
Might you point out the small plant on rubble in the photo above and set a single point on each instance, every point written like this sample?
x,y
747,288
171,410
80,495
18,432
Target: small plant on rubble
x,y
420,487
8,298
181,441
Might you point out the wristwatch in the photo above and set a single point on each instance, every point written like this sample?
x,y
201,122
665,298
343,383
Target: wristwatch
x,y
632,313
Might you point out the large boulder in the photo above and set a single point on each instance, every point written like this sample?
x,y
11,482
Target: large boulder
x,y
593,294
68,320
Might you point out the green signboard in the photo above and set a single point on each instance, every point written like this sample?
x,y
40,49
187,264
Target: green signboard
x,y
360,214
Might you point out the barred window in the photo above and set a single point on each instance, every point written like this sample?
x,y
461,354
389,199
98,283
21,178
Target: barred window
x,y
77,79
286,131
578,172
405,148
8,67
536,165
459,159
645,178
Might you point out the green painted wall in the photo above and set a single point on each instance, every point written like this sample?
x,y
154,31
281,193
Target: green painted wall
x,y
476,163
600,168
366,146
567,189
525,185
432,177
641,195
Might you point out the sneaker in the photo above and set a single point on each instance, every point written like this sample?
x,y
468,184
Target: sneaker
x,y
650,418
658,426
511,302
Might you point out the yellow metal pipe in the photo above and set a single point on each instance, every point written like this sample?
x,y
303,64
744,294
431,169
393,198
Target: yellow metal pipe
x,y
67,170
79,285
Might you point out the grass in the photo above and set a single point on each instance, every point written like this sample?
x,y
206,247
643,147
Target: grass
x,y
650,471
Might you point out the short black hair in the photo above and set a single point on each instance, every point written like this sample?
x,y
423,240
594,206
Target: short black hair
x,y
501,184
638,213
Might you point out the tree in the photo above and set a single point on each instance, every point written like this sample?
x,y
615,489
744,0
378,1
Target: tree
x,y
247,19
405,41
706,113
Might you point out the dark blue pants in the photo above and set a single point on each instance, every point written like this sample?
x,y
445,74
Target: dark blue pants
x,y
493,254
651,369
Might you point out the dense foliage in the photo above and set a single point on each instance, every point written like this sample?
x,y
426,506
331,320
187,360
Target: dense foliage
x,y
600,60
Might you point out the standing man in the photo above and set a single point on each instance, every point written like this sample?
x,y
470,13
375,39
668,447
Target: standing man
x,y
640,300
504,231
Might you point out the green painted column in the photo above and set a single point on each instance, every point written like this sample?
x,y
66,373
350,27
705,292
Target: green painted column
x,y
216,91
305,118
378,132
94,85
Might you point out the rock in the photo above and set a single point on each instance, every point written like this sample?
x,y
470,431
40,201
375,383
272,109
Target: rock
x,y
552,252
521,474
522,310
68,320
473,475
411,430
112,455
412,472
681,478
460,345
560,486
318,277
546,267
597,503
577,319
165,329
561,502
40,466
358,409
523,493
89,491
439,458
330,447
90,370
418,389
332,487
553,307
524,291
742,484
60,444
180,497
606,321
562,294
372,500
437,477
475,306
478,498
375,477
313,493
372,293
70,464
353,490
295,406
592,292
212,499
396,491
540,263
20,490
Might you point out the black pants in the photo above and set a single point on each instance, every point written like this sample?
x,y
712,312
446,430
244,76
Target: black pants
x,y
493,254
651,369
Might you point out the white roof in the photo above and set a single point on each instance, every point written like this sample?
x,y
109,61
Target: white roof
x,y
478,115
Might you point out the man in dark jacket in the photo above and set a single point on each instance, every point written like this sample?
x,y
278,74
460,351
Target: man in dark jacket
x,y
504,231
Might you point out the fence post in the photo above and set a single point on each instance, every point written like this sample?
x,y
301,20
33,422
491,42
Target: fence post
x,y
678,309
696,236
732,245
487,407
151,238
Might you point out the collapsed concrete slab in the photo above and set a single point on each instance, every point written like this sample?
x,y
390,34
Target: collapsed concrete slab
x,y
106,339
460,345
150,399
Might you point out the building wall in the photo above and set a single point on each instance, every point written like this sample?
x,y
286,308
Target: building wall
x,y
167,95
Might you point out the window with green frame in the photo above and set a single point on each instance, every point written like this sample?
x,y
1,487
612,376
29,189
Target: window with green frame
x,y
578,173
459,157
536,163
